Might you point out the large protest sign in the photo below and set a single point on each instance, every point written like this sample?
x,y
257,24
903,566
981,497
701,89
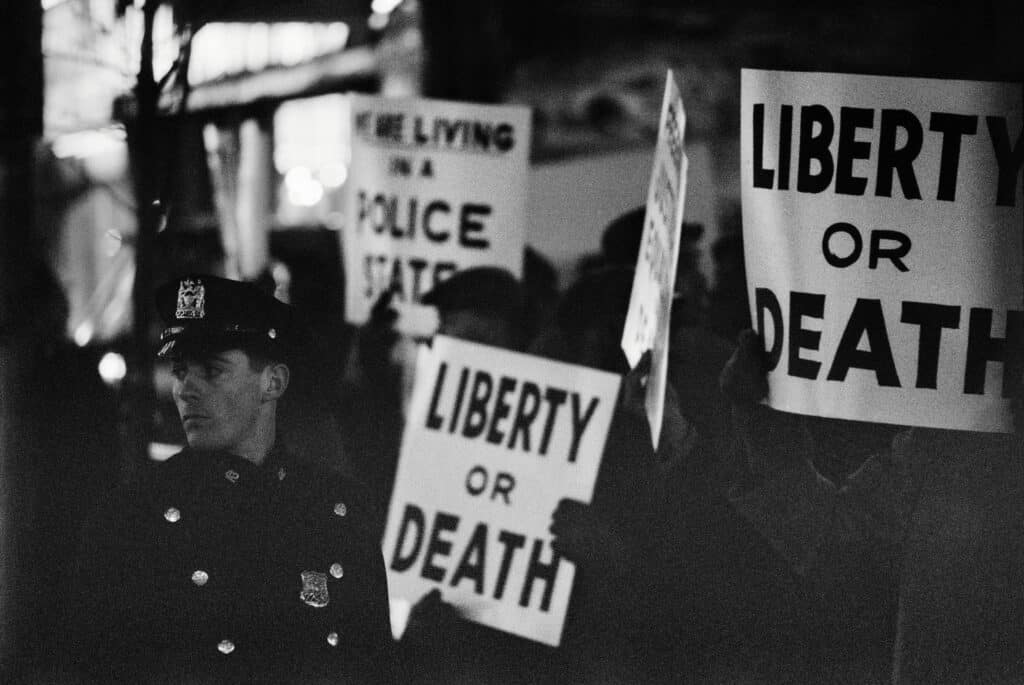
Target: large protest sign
x,y
650,303
434,187
882,230
494,439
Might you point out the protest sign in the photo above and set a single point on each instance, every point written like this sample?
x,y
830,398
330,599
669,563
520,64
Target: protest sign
x,y
434,187
882,230
650,303
494,439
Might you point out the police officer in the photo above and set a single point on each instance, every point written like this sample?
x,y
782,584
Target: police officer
x,y
232,561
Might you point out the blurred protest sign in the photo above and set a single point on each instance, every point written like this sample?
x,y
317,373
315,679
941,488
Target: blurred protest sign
x,y
882,231
433,187
650,303
494,439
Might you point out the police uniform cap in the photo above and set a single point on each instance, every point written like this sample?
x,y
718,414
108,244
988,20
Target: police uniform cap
x,y
484,289
209,313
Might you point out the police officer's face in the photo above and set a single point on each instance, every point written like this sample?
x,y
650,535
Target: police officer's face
x,y
219,398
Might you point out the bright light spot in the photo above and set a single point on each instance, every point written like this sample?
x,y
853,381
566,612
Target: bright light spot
x,y
88,143
112,368
162,451
334,175
303,189
378,21
83,334
384,6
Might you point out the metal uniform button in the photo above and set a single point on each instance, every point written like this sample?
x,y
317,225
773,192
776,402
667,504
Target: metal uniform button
x,y
332,639
340,509
232,475
225,646
337,570
200,577
281,473
172,515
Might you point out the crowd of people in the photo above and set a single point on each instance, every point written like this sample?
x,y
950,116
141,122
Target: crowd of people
x,y
751,546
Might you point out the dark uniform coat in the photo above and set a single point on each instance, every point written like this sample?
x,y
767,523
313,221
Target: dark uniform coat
x,y
218,570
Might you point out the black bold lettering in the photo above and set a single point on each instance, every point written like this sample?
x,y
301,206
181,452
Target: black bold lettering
x,y
982,348
814,147
953,127
434,420
437,546
504,484
476,411
476,480
893,254
826,245
526,412
501,409
396,230
470,223
504,137
413,516
785,145
1009,160
765,300
511,542
763,178
931,318
579,423
397,283
801,305
540,571
459,395
474,560
555,398
850,119
417,265
900,160
428,228
866,318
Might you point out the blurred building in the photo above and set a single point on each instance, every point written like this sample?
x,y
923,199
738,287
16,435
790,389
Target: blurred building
x,y
248,158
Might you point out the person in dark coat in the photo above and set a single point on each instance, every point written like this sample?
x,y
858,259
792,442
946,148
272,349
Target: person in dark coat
x,y
233,561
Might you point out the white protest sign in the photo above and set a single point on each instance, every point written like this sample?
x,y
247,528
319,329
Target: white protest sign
x,y
650,303
494,439
882,229
434,187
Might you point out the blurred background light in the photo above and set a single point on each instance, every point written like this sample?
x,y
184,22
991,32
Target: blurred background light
x,y
112,368
303,189
334,175
384,6
83,334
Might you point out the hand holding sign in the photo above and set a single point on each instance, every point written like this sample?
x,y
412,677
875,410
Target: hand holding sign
x,y
583,536
744,378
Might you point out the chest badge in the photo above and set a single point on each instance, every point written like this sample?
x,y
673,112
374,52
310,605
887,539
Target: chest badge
x,y
314,589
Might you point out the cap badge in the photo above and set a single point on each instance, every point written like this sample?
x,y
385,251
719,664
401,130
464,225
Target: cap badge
x,y
191,299
314,589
